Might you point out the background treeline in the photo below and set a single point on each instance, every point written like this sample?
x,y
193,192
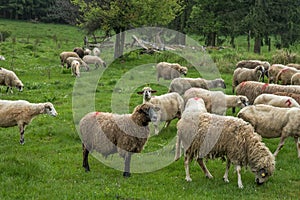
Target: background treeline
x,y
214,21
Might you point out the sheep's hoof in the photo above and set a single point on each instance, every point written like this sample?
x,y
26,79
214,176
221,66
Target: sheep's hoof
x,y
22,141
225,180
126,174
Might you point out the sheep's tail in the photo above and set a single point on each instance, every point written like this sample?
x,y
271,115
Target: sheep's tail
x,y
178,148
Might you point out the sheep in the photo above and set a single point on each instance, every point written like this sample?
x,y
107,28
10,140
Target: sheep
x,y
79,51
82,63
89,59
245,74
216,102
273,71
10,79
274,122
234,139
180,85
251,64
109,133
171,106
295,79
75,68
2,57
252,89
295,65
87,51
169,71
64,55
293,95
276,100
188,124
20,113
96,51
285,75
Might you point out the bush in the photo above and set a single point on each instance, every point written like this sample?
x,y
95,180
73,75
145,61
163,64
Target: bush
x,y
284,57
4,35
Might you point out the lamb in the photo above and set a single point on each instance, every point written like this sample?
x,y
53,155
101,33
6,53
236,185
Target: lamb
x,y
217,102
295,79
2,57
251,64
97,61
169,71
245,74
10,79
171,106
96,51
235,139
79,51
273,71
180,85
64,55
285,75
252,89
109,133
20,113
82,63
275,100
274,122
187,126
75,68
293,95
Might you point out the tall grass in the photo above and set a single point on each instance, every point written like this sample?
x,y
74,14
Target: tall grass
x,y
48,166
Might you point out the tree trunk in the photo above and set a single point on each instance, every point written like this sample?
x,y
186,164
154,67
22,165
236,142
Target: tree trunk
x,y
232,42
257,44
119,44
211,39
248,40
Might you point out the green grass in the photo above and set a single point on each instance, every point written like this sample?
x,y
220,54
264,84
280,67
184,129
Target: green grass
x,y
48,166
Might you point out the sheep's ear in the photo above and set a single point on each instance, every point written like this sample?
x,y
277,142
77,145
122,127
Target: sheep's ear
x,y
141,92
153,91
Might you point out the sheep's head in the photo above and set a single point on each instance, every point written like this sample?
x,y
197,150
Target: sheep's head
x,y
243,101
146,112
183,70
19,85
263,175
220,83
147,93
49,109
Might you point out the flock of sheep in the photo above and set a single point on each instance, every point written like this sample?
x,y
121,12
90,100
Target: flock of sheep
x,y
203,130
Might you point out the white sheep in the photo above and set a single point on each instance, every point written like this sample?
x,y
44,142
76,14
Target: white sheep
x,y
2,57
87,51
10,79
75,68
95,60
187,126
251,64
273,71
171,106
82,63
295,80
274,122
180,85
109,133
276,100
169,71
245,74
66,54
96,51
20,113
217,102
235,139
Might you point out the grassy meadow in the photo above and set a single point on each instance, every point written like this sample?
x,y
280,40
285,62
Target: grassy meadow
x,y
49,165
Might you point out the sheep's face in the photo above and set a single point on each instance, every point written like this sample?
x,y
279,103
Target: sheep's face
x,y
50,110
19,86
183,71
153,112
147,93
262,176
243,101
221,84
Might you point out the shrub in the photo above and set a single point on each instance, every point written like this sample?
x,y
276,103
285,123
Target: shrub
x,y
285,56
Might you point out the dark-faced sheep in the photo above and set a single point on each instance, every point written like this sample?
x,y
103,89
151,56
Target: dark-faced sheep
x,y
169,71
10,79
20,113
79,51
108,133
251,64
274,122
235,139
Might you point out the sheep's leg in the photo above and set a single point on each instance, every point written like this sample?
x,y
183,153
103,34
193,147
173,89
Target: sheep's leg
x,y
187,168
280,145
22,129
297,140
238,171
178,148
167,123
127,159
204,168
225,177
85,156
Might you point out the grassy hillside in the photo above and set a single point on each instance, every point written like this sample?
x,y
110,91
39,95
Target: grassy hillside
x,y
48,166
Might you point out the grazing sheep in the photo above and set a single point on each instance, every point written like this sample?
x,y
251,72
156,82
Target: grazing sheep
x,y
95,60
285,75
293,95
169,71
2,57
87,51
66,54
295,65
75,68
96,51
295,80
10,79
251,64
217,102
187,126
108,133
20,113
171,106
82,63
276,100
79,51
180,85
235,139
252,89
274,122
273,71
245,74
